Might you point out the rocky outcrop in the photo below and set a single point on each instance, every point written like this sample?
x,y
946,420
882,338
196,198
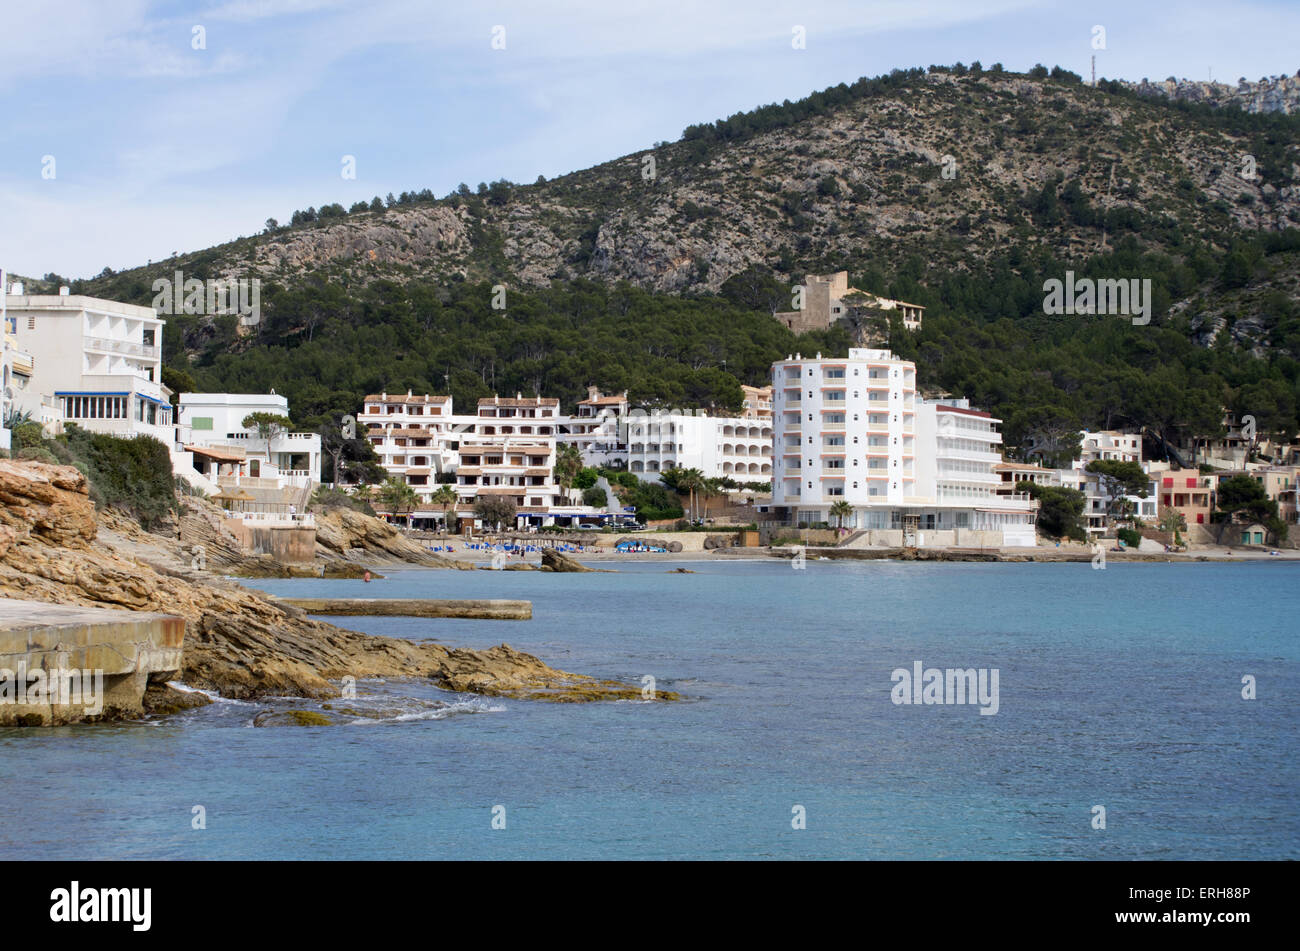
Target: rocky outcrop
x,y
354,536
553,560
1269,94
237,642
48,504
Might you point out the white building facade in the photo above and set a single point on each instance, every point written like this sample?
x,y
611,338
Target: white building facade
x,y
98,364
735,447
855,430
211,435
506,448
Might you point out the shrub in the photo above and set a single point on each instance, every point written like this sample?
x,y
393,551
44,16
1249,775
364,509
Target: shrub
x,y
335,498
1130,537
28,434
37,454
134,475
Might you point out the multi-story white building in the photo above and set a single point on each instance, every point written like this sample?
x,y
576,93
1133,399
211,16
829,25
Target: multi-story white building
x,y
414,437
506,448
1109,444
97,363
854,430
598,429
736,447
1113,445
211,430
16,368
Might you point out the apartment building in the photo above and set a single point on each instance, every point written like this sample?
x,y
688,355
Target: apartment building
x,y
1109,444
1189,492
854,430
210,429
1013,473
506,448
756,402
96,363
1118,446
735,447
414,436
598,429
828,298
16,368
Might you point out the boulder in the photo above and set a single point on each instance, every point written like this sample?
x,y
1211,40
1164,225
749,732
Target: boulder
x,y
553,560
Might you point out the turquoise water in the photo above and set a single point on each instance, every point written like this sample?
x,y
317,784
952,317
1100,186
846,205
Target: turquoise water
x,y
1119,688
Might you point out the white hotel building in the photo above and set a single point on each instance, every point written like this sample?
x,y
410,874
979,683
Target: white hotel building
x,y
738,447
98,364
506,448
915,472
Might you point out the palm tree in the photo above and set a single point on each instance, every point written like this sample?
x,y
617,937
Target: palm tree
x,y
568,463
692,480
445,496
396,496
710,489
841,510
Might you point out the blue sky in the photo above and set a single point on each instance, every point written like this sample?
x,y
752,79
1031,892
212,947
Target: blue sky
x,y
161,147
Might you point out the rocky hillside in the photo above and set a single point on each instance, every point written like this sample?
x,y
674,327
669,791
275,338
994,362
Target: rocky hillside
x,y
946,166
1269,94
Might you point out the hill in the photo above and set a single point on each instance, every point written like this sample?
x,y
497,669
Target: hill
x,y
960,188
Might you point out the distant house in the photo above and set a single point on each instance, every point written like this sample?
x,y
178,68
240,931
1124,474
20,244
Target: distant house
x,y
826,300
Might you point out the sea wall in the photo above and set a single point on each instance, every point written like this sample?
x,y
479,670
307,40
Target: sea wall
x,y
294,545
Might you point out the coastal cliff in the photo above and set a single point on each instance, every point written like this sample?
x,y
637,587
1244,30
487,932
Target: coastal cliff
x,y
237,642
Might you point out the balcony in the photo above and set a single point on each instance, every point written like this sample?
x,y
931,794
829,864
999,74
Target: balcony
x,y
111,345
124,382
970,455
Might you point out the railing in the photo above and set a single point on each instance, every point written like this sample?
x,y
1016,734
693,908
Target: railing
x,y
122,346
970,455
276,519
252,482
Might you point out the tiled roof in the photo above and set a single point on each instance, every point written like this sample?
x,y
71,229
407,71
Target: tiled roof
x,y
395,398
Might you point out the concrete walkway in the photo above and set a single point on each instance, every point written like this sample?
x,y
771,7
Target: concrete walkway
x,y
119,650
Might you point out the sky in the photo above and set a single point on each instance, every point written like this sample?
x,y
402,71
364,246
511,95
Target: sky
x,y
132,129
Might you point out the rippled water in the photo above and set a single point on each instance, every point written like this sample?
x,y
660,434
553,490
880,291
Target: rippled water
x,y
1119,688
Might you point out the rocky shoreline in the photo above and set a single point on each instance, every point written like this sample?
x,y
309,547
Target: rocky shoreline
x,y
238,643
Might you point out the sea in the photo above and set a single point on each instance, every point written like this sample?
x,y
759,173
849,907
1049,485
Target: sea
x,y
1141,711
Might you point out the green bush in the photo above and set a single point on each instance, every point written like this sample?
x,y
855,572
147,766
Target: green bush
x,y
134,475
27,435
596,498
1130,538
333,498
37,454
